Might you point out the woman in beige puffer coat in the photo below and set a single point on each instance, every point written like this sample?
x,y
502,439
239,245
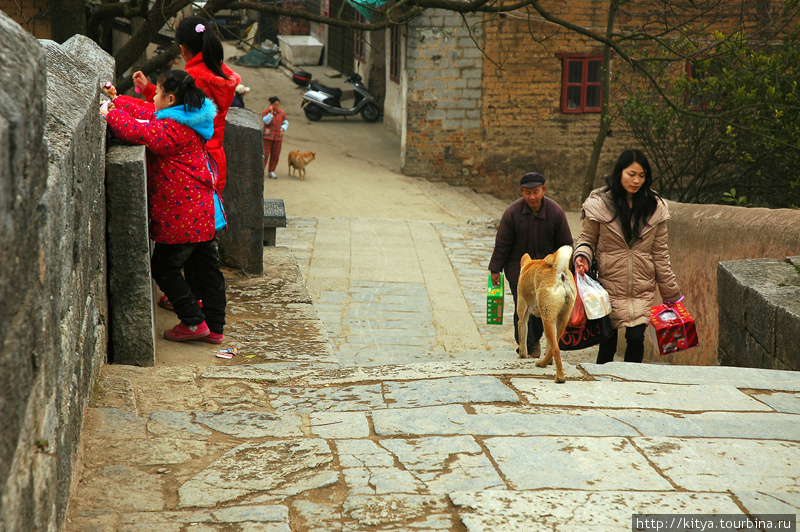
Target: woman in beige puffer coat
x,y
625,230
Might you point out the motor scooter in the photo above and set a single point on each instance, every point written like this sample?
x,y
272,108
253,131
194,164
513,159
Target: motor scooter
x,y
319,100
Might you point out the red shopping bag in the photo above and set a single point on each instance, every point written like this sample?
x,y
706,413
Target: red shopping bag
x,y
675,328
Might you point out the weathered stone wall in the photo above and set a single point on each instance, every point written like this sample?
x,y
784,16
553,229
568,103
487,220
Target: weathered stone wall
x,y
53,333
702,236
759,313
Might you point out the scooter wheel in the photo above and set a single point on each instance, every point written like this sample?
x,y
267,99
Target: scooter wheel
x,y
370,112
313,112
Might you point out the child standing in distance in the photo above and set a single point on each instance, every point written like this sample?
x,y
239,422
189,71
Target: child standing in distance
x,y
181,198
275,124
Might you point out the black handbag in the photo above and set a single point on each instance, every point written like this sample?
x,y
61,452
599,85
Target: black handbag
x,y
591,332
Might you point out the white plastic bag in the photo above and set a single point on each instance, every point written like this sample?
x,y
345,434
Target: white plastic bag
x,y
595,298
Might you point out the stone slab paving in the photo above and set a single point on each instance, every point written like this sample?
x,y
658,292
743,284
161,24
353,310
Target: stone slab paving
x,y
750,378
296,441
350,451
697,398
578,511
390,291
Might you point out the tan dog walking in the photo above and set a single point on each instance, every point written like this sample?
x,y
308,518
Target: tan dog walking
x,y
298,161
546,288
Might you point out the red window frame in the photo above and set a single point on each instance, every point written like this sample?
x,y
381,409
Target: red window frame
x,y
394,53
583,85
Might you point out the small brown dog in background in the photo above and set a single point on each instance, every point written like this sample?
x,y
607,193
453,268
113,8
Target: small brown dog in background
x,y
298,161
546,288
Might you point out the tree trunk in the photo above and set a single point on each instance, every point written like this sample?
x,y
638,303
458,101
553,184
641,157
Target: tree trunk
x,y
605,119
67,18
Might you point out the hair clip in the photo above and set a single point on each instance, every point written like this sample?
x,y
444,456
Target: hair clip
x,y
199,28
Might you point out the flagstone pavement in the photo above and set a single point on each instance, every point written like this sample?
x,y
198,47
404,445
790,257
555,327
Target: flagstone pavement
x,y
292,434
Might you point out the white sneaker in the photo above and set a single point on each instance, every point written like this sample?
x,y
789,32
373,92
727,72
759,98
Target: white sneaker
x,y
272,175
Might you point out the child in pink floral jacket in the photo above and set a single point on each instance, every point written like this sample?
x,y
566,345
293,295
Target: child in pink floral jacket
x,y
184,213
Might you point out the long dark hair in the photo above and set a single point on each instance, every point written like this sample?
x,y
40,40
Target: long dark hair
x,y
181,84
645,200
204,41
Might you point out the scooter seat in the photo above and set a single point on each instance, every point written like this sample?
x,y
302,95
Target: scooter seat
x,y
336,93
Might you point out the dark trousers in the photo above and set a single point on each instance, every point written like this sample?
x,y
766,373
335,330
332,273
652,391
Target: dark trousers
x,y
203,260
535,327
634,352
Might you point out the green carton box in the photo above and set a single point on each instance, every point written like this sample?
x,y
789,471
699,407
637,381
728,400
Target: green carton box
x,y
494,302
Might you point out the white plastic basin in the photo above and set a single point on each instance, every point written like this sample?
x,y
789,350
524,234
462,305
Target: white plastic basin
x,y
300,49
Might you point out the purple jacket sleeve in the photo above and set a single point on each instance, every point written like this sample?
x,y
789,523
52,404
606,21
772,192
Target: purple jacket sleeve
x,y
503,243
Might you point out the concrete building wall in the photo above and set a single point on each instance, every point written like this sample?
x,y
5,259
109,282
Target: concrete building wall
x,y
394,102
53,320
373,70
444,97
32,15
484,104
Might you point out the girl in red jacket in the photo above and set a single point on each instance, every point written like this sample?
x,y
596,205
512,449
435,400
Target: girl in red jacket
x,y
203,53
202,50
181,198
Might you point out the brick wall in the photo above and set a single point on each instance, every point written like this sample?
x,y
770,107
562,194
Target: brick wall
x,y
32,15
483,106
291,25
444,96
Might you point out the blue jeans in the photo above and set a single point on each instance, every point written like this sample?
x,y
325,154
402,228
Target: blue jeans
x,y
203,260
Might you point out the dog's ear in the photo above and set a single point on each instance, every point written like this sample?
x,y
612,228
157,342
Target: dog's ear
x,y
550,259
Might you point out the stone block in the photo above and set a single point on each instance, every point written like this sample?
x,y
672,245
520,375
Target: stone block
x,y
760,316
274,216
730,291
241,246
787,330
131,303
731,336
753,355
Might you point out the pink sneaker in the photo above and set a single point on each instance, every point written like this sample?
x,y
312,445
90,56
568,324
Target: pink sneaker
x,y
184,333
212,338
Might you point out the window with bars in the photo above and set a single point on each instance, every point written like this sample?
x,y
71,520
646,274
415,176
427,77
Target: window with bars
x,y
394,54
360,41
581,83
699,92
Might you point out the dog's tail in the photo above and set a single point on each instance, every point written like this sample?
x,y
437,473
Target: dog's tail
x,y
561,258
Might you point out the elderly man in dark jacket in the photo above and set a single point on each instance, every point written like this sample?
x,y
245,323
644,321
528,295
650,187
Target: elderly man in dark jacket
x,y
534,225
